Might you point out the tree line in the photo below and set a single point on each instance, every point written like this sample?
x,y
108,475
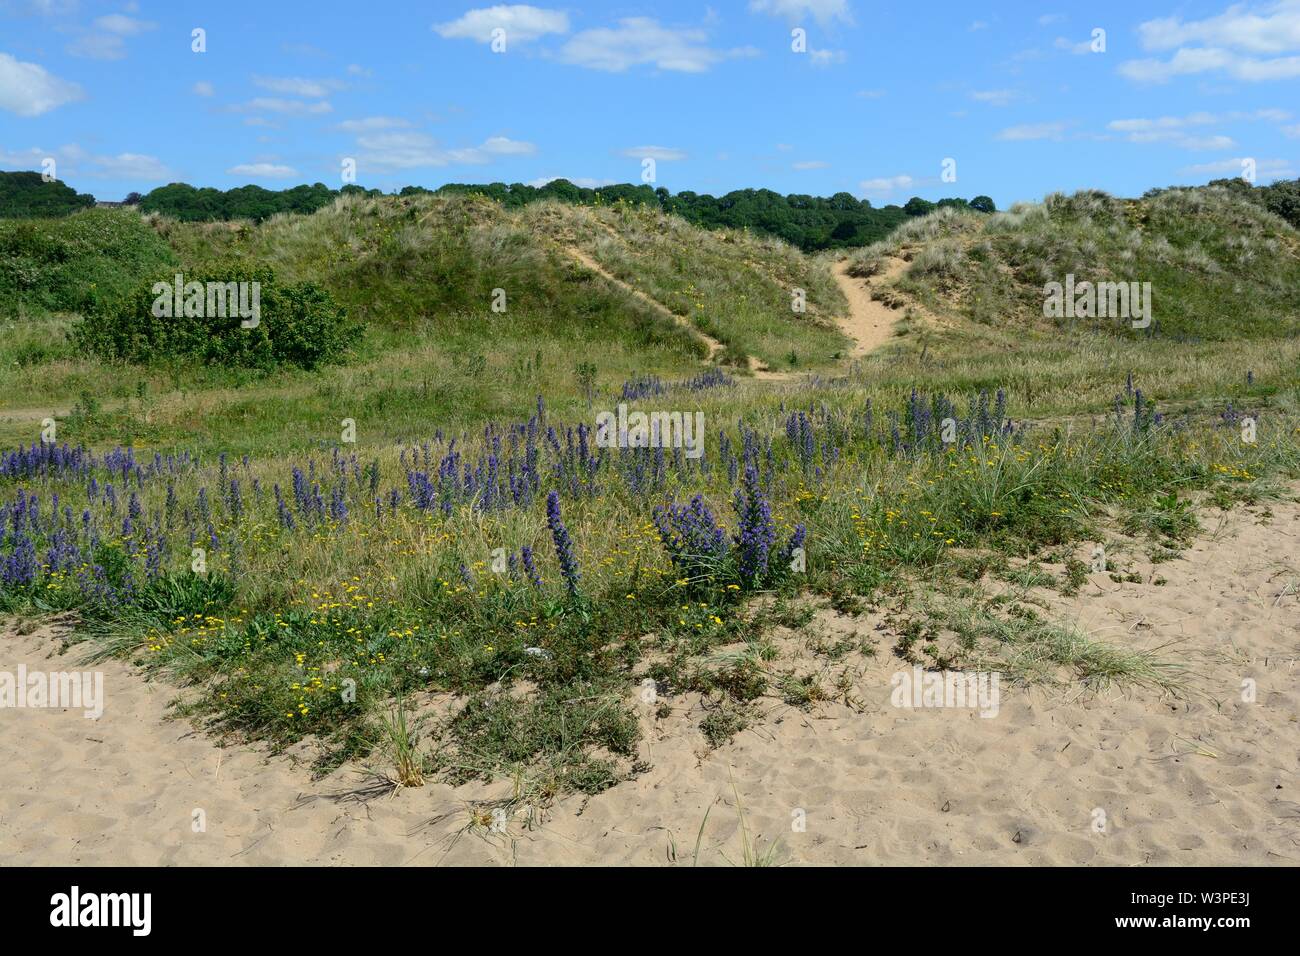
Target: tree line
x,y
810,222
28,196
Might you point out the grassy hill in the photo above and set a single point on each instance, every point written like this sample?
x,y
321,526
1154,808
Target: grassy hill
x,y
1220,266
435,261
421,272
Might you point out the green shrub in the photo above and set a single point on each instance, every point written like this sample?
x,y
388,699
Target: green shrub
x,y
278,324
70,264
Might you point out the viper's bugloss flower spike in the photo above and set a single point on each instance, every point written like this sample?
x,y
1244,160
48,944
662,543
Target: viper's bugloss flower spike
x,y
756,534
563,543
691,536
530,566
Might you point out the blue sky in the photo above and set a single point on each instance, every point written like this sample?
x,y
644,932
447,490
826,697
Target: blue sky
x,y
879,97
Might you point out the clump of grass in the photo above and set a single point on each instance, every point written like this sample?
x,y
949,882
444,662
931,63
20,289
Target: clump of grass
x,y
402,744
1031,649
567,738
724,719
750,852
801,690
1165,516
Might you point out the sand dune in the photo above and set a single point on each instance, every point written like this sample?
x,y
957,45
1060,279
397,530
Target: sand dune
x,y
1208,779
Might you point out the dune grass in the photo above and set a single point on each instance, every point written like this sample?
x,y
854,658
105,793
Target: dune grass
x,y
1221,268
738,288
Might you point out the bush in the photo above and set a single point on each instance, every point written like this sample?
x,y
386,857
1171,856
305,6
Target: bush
x,y
70,264
297,324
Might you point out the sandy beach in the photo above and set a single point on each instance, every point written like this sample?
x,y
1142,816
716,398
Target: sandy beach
x,y
1062,775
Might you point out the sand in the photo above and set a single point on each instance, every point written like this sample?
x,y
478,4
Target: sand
x,y
1060,776
869,322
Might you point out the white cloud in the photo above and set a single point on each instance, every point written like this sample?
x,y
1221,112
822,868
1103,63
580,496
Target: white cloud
x,y
30,90
661,154
884,186
297,86
98,46
106,39
1291,132
44,8
393,151
123,26
496,146
203,88
262,170
995,97
811,164
28,159
373,123
1047,19
869,94
520,22
1206,142
823,11
1174,130
1244,43
356,69
1264,168
976,26
1275,29
639,41
826,57
271,104
72,160
1032,131
132,166
1077,48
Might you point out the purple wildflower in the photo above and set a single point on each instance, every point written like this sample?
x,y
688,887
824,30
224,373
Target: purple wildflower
x,y
563,543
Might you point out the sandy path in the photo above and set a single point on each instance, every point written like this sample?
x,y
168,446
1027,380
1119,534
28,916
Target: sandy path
x,y
870,323
1210,779
589,263
758,369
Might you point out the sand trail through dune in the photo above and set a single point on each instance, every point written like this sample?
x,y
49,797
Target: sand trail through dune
x,y
869,323
715,347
